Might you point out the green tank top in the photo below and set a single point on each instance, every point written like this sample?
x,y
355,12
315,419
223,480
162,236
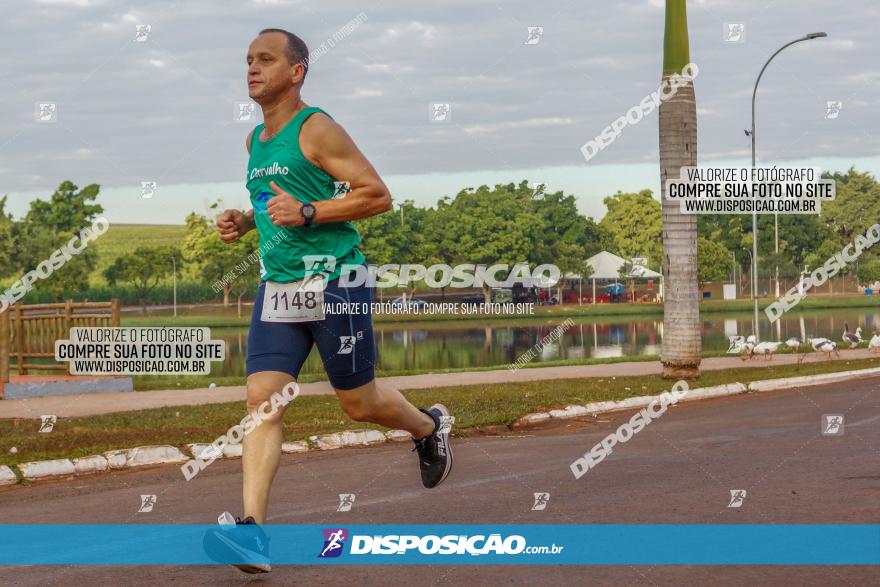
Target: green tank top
x,y
280,160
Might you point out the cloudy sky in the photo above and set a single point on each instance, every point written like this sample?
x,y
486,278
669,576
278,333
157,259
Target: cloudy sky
x,y
163,109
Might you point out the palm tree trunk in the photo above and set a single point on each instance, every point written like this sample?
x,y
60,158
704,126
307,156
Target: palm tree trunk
x,y
681,351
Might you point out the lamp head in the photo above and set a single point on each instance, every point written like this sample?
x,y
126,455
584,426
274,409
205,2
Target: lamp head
x,y
816,35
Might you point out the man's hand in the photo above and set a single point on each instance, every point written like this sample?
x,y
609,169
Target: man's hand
x,y
284,209
233,225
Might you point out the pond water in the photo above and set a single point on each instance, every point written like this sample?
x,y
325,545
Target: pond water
x,y
433,345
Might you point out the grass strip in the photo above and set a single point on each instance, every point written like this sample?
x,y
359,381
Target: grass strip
x,y
566,311
473,406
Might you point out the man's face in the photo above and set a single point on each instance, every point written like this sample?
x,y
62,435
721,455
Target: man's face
x,y
269,72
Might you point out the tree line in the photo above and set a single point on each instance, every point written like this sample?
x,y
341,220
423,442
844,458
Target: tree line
x,y
507,223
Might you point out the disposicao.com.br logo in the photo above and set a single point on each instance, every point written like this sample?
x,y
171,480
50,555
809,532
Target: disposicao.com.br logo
x,y
431,544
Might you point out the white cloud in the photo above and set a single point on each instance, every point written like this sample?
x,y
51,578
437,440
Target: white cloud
x,y
517,124
368,93
525,107
412,29
78,3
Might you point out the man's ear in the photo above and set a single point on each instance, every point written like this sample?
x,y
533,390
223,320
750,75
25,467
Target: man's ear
x,y
295,75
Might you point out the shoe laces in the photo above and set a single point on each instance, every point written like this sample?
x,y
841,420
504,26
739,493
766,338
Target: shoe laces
x,y
420,444
423,446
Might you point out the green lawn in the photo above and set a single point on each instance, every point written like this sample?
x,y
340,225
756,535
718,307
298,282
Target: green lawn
x,y
473,406
228,317
125,238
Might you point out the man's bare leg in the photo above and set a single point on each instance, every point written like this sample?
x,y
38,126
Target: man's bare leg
x,y
384,406
261,449
387,407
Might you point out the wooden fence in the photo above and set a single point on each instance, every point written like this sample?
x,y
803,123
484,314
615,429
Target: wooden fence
x,y
30,332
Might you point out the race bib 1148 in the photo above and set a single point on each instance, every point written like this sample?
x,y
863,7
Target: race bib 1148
x,y
297,301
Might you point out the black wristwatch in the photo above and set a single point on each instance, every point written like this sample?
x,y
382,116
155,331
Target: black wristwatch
x,y
308,213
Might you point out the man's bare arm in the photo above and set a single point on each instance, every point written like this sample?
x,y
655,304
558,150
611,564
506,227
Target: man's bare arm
x,y
250,224
327,144
234,224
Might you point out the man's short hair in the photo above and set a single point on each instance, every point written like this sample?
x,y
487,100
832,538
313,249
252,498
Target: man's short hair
x,y
296,51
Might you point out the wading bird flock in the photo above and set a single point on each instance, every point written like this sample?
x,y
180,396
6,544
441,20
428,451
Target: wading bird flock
x,y
748,347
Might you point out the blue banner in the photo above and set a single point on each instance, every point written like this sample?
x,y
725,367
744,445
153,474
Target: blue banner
x,y
631,544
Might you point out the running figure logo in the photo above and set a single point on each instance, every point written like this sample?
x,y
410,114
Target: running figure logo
x,y
46,112
346,345
47,423
832,109
245,111
734,32
340,189
535,33
147,503
541,501
832,424
148,189
261,202
441,113
141,32
737,497
346,500
446,423
334,542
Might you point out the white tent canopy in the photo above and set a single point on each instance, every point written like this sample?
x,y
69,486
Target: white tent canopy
x,y
606,265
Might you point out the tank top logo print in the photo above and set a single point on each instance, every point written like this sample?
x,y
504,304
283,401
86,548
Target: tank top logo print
x,y
274,169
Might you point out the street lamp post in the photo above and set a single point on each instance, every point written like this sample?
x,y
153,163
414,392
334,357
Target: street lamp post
x,y
174,278
752,267
807,37
733,255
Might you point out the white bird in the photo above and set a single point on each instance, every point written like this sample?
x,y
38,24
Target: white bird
x,y
766,348
736,343
752,339
874,343
747,350
852,338
817,342
793,343
828,347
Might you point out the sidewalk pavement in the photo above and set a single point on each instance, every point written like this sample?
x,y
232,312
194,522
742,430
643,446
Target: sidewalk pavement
x,y
107,403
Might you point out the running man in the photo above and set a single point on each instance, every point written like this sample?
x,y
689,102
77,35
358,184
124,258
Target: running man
x,y
298,157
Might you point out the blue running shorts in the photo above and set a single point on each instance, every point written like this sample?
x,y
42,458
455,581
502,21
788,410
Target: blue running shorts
x,y
345,340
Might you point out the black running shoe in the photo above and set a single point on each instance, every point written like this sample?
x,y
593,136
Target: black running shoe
x,y
244,546
435,452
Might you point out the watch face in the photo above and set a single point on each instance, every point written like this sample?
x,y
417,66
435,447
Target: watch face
x,y
308,211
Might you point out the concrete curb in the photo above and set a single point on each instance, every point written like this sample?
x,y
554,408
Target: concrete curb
x,y
294,447
348,438
714,391
7,476
398,435
43,469
197,450
788,383
155,455
90,464
144,455
630,403
326,441
232,451
362,437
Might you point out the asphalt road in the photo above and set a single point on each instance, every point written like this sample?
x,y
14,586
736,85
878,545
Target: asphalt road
x,y
680,469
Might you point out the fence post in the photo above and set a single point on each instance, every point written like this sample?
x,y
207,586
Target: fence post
x,y
19,337
68,313
4,349
115,312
